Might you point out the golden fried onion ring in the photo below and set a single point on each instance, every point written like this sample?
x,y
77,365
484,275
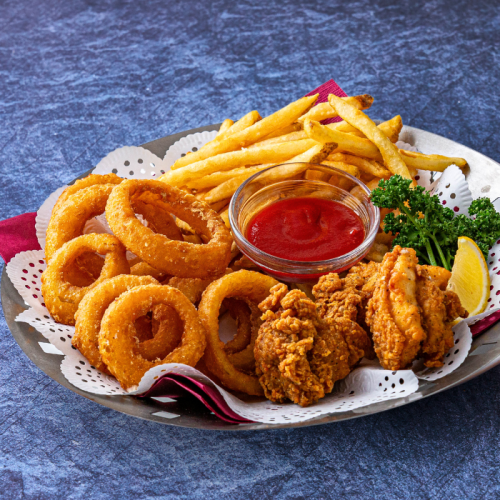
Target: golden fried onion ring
x,y
90,180
166,327
69,220
250,286
57,292
91,310
159,219
117,344
144,269
178,258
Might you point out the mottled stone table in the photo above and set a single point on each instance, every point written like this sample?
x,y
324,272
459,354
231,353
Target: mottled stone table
x,y
80,78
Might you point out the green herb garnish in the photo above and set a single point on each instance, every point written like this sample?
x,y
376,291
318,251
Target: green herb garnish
x,y
430,228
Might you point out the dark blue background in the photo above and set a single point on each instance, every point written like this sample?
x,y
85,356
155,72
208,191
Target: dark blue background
x,y
81,78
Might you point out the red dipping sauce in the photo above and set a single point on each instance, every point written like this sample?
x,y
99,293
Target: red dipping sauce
x,y
306,229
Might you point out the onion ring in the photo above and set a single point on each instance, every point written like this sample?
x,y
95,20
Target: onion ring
x,y
69,220
116,339
192,288
56,291
159,219
167,333
248,323
88,266
91,310
247,285
90,180
178,258
144,269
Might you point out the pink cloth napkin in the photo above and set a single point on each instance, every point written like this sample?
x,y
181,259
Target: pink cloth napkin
x,y
18,235
330,87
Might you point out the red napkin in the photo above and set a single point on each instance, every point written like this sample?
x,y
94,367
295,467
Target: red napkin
x,y
18,235
330,87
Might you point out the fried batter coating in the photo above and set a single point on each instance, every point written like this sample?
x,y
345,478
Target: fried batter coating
x,y
393,312
439,338
339,302
368,271
298,355
453,306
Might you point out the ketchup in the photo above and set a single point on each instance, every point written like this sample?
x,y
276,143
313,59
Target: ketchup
x,y
306,229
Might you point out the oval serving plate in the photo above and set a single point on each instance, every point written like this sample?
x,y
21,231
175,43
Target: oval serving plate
x,y
483,179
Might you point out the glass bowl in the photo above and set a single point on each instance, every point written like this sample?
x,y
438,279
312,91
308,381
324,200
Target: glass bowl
x,y
303,180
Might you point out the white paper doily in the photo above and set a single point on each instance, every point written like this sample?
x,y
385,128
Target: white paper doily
x,y
188,144
131,162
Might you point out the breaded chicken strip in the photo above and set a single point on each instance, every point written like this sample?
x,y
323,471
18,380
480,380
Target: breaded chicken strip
x,y
393,312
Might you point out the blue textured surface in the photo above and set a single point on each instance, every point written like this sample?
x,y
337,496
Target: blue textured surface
x,y
80,78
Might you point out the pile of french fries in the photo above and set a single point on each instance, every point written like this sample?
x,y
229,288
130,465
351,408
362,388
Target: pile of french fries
x,y
294,134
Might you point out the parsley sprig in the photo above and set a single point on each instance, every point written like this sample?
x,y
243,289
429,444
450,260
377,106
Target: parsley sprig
x,y
430,228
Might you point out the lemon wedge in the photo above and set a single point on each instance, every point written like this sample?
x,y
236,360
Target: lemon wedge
x,y
470,278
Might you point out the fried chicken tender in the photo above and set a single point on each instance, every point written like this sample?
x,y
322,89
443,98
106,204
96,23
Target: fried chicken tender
x,y
298,355
339,302
410,313
393,313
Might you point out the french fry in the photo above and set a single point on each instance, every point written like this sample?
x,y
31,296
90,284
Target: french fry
x,y
228,188
340,181
385,238
366,177
324,111
211,180
245,263
345,167
243,123
392,128
369,166
413,172
184,227
377,252
294,127
282,118
292,136
358,119
346,128
360,194
225,217
219,205
200,194
316,175
365,148
228,161
235,251
192,238
314,155
435,163
226,124
346,142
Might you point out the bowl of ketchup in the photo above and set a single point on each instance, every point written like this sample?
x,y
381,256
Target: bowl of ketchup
x,y
298,221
